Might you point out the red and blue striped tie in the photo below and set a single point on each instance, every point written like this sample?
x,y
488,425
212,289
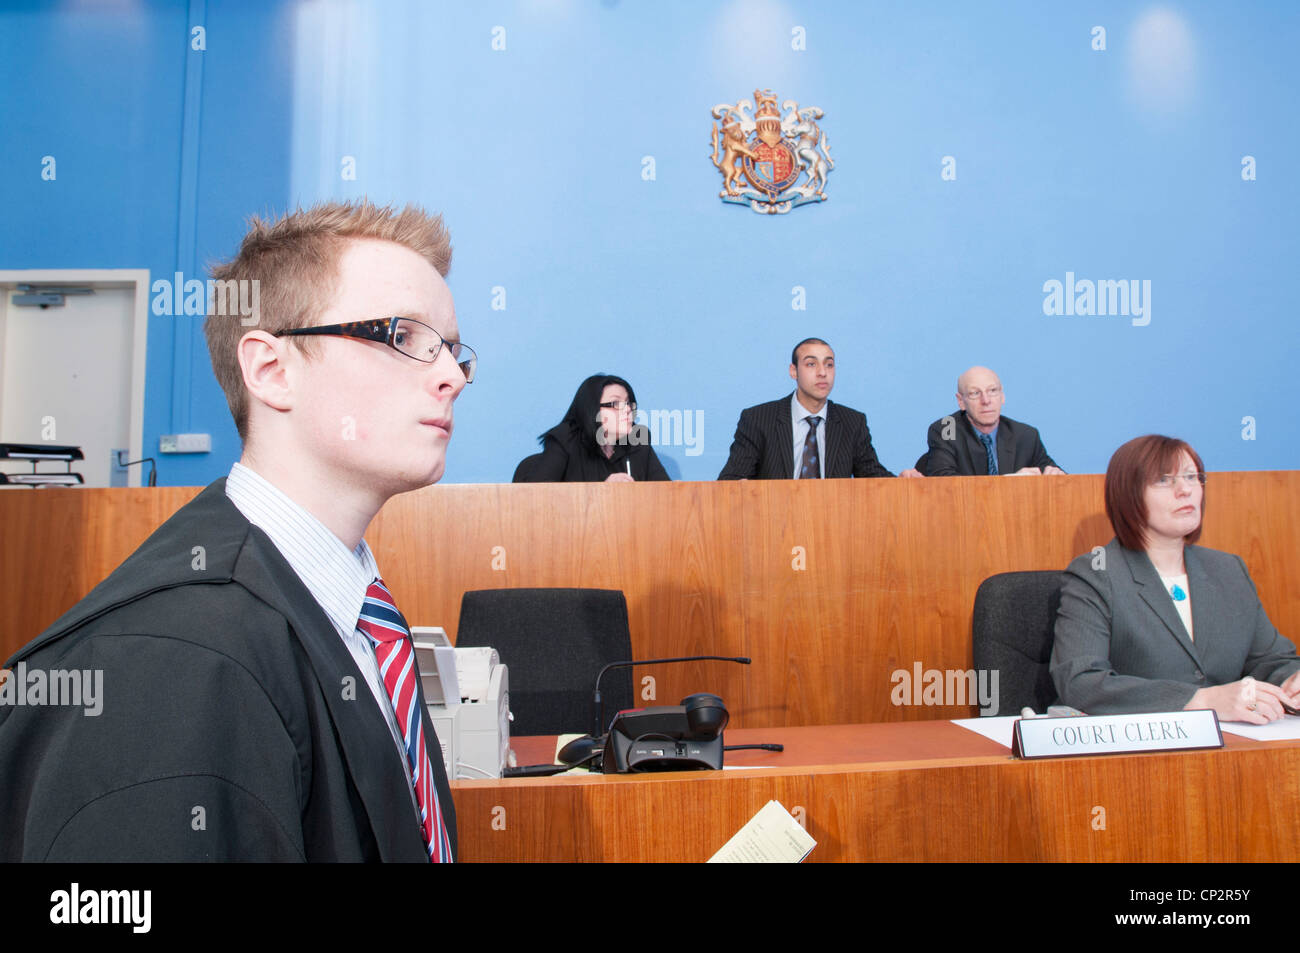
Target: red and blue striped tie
x,y
384,626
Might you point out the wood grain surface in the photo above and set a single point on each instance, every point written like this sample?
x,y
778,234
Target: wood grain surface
x,y
916,791
830,586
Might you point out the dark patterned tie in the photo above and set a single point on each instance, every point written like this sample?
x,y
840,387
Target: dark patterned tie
x,y
808,468
987,440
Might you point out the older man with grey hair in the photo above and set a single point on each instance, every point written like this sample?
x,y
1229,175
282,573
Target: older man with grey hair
x,y
978,440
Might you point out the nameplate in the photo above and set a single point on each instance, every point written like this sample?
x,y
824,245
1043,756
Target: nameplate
x,y
1116,734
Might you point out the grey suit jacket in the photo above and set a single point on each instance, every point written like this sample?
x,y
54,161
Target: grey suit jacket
x,y
763,448
1121,647
1019,445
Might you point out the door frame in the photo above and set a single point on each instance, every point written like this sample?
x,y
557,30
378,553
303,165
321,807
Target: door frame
x,y
131,278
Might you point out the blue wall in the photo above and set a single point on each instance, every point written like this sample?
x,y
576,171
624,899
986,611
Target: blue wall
x,y
1117,164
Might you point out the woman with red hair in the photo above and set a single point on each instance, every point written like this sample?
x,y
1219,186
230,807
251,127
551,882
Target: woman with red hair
x,y
1156,623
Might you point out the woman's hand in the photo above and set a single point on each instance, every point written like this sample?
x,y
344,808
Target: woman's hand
x,y
1250,701
1291,687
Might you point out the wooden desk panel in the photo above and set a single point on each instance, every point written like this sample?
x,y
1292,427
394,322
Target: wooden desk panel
x,y
57,544
926,792
675,555
891,567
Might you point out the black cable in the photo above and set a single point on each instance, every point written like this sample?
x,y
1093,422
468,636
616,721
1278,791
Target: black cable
x,y
153,466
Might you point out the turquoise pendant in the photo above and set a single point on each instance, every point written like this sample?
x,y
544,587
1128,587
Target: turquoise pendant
x,y
1177,593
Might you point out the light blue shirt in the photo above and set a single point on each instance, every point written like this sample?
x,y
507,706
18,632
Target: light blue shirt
x,y
799,424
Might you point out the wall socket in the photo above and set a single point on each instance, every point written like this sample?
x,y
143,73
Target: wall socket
x,y
185,443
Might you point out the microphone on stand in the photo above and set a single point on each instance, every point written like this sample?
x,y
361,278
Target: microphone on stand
x,y
586,748
598,704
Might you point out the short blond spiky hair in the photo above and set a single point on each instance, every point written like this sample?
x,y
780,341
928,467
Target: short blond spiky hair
x,y
295,260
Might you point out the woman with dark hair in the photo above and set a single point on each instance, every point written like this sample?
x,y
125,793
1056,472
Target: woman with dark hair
x,y
598,440
1155,623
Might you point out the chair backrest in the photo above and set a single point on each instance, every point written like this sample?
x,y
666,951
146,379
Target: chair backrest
x,y
1012,630
555,642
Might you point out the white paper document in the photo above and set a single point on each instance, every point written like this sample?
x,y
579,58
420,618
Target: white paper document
x,y
772,836
1286,728
474,665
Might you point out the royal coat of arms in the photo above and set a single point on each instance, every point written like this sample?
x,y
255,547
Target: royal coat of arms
x,y
763,152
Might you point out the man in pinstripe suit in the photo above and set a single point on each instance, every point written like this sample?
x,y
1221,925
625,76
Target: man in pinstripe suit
x,y
804,436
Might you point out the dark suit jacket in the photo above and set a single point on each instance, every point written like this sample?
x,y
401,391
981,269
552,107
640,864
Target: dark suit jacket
x,y
1122,647
763,448
1018,446
564,459
235,723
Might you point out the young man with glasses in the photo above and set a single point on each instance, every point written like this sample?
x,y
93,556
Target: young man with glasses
x,y
261,700
978,441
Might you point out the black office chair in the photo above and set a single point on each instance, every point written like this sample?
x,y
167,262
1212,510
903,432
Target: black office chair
x,y
1012,629
554,642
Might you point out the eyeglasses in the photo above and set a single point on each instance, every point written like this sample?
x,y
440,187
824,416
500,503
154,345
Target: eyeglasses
x,y
618,406
404,335
993,393
1167,480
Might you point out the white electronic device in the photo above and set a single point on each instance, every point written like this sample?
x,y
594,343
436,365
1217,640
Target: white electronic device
x,y
468,695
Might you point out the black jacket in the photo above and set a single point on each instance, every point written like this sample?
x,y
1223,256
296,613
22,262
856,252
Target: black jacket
x,y
955,450
763,448
566,459
235,724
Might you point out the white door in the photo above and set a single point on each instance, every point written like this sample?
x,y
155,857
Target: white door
x,y
74,373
